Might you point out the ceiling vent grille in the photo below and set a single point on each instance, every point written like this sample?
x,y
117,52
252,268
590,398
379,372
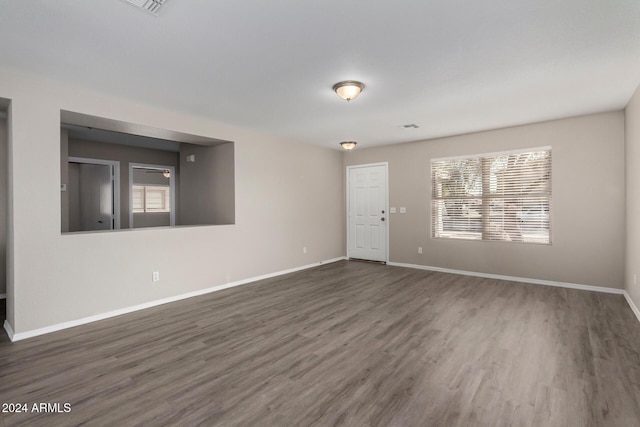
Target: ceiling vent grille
x,y
151,6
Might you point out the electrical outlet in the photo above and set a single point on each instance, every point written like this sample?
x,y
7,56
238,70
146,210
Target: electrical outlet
x,y
420,249
403,210
155,277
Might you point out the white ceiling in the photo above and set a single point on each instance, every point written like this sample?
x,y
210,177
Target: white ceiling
x,y
449,66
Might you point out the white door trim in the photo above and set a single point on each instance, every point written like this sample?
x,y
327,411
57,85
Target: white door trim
x,y
115,165
172,189
386,202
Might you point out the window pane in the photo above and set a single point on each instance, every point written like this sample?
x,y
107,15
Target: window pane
x,y
138,198
458,218
519,220
458,178
157,199
520,173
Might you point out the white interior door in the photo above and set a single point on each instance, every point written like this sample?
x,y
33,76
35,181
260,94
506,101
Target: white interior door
x,y
367,212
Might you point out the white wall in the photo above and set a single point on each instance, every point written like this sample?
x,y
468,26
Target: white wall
x,y
587,216
285,195
632,135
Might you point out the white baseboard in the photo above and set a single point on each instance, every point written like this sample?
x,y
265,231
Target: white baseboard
x,y
604,289
514,279
65,325
9,329
632,304
3,296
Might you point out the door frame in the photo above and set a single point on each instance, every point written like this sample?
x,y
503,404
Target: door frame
x,y
172,189
386,202
115,179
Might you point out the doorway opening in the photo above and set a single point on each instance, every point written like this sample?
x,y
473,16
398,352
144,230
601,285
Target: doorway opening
x,y
152,195
93,191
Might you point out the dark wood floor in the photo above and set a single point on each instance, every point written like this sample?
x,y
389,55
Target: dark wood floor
x,y
343,344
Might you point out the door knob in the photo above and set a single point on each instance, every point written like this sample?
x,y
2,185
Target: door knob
x,y
382,219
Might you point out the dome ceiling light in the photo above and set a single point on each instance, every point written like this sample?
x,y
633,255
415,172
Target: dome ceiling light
x,y
348,145
348,89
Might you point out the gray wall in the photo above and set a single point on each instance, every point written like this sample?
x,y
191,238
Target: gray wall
x,y
125,155
632,128
207,189
587,217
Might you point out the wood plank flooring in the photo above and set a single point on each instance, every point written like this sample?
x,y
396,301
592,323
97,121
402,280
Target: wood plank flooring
x,y
347,343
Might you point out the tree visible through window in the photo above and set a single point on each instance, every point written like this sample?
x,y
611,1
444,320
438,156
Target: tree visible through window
x,y
493,196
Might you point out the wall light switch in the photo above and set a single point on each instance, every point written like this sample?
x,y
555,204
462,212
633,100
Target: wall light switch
x,y
191,158
403,210
392,210
63,187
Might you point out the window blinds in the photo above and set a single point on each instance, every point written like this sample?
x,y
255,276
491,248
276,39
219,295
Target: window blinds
x,y
149,198
493,196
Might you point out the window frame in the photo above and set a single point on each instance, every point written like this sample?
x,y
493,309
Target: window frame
x,y
172,190
548,196
115,171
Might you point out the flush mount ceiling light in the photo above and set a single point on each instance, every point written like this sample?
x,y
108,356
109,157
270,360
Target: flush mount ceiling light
x,y
348,145
348,89
151,6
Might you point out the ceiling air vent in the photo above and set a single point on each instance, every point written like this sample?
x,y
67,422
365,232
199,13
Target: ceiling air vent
x,y
151,6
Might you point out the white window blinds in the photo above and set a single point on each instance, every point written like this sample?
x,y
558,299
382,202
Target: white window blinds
x,y
493,196
150,198
138,198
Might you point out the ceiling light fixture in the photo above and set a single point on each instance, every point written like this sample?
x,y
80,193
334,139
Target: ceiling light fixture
x,y
166,173
348,145
348,89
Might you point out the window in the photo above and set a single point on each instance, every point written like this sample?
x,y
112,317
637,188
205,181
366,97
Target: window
x,y
493,196
151,198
